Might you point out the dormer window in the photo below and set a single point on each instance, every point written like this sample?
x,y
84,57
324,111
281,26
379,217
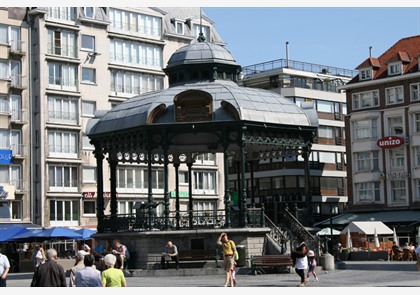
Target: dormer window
x,y
365,74
394,68
179,27
201,28
90,12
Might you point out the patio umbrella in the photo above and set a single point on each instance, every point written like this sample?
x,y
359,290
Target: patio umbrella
x,y
57,233
6,234
86,233
396,238
26,236
376,240
327,231
349,244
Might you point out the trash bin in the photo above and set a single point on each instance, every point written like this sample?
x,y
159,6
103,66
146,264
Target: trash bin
x,y
242,257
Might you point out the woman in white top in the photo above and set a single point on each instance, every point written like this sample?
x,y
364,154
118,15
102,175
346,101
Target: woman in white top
x,y
40,255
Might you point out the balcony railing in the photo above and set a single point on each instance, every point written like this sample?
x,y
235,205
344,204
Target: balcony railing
x,y
62,50
16,81
18,150
16,47
19,116
64,84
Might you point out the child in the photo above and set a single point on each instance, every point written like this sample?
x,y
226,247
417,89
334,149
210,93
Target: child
x,y
311,265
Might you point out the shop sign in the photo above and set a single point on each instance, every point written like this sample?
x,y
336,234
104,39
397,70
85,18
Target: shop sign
x,y
92,195
390,142
5,157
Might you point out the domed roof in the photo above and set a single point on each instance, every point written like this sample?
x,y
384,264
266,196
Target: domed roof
x,y
251,104
201,53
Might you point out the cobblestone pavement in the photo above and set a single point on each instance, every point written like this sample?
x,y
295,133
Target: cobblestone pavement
x,y
333,278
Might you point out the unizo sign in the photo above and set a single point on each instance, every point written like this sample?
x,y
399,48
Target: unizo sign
x,y
390,142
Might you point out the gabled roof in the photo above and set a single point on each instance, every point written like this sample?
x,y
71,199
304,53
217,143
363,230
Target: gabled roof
x,y
406,50
370,62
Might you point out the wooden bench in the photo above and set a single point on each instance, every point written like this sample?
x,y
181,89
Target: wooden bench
x,y
260,261
196,258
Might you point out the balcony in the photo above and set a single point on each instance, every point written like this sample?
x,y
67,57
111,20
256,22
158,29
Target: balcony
x,y
19,116
18,150
16,82
17,48
62,50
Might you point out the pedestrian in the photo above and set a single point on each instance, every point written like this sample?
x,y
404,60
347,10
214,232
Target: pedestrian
x,y
99,251
170,252
417,251
88,276
112,277
50,273
229,253
121,252
40,256
79,264
312,265
4,269
300,259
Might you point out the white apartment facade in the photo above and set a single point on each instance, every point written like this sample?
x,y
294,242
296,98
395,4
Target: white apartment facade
x,y
83,60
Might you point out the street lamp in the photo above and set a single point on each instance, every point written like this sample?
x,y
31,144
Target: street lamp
x,y
333,210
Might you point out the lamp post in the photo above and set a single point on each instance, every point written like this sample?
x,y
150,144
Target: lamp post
x,y
332,202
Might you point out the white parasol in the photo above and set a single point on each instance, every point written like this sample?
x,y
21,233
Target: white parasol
x,y
376,239
349,244
396,238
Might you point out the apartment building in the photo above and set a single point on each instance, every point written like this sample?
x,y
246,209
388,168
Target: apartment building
x,y
281,181
78,61
383,128
15,201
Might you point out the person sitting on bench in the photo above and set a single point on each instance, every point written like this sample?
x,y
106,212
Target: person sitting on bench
x,y
170,252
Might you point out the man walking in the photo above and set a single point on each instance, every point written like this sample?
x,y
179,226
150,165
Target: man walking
x,y
49,274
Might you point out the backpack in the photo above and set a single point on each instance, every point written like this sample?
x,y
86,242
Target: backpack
x,y
127,254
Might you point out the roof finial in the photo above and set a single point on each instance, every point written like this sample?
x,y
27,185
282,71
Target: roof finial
x,y
201,37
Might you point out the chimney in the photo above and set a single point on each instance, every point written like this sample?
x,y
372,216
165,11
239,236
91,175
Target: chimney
x,y
370,51
287,54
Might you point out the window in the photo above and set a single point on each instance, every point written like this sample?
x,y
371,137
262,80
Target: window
x,y
395,126
365,74
136,53
17,209
325,106
398,190
63,212
126,207
397,158
203,29
86,145
206,159
417,156
90,12
367,161
88,108
89,207
417,190
88,75
16,142
88,42
134,83
394,95
183,177
62,76
135,23
203,207
4,139
63,178
368,191
179,27
63,110
133,178
89,175
394,68
364,100
62,42
62,13
414,92
63,144
4,104
16,104
204,182
326,132
327,157
416,122
10,35
365,129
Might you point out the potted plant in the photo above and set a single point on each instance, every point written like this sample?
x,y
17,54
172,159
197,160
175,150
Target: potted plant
x,y
344,254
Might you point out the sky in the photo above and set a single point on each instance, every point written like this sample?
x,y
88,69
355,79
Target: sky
x,y
332,36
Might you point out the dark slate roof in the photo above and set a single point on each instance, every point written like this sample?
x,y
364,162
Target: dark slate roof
x,y
252,105
201,53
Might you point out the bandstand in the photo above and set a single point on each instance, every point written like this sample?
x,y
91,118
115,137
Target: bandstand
x,y
202,111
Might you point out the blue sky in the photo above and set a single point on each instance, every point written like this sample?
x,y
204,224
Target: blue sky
x,y
332,36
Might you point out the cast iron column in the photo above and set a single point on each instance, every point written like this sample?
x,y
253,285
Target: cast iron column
x,y
177,216
100,188
114,204
190,202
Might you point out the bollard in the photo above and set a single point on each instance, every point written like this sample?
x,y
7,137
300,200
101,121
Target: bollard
x,y
327,261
